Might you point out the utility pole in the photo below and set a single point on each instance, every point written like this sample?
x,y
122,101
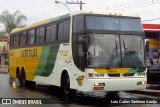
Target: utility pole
x,y
81,3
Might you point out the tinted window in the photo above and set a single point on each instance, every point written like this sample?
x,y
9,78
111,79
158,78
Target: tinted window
x,y
64,31
40,34
113,23
11,40
51,33
16,40
31,37
23,37
78,23
60,32
78,55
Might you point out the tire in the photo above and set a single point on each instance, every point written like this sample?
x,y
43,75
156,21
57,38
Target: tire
x,y
66,86
24,82
21,80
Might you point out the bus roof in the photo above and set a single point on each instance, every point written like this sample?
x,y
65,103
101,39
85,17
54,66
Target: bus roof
x,y
41,23
68,15
114,13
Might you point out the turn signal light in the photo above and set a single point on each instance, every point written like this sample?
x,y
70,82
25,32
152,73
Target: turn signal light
x,y
90,75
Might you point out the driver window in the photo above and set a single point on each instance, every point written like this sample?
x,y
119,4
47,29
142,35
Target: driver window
x,y
81,54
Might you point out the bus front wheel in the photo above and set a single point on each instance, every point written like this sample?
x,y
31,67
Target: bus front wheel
x,y
66,86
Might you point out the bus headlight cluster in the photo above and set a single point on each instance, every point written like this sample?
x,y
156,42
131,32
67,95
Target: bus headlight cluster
x,y
98,86
141,83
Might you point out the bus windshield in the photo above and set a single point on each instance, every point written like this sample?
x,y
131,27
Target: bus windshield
x,y
111,50
110,41
113,23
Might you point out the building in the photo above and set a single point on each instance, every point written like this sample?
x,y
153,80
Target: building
x,y
152,34
4,46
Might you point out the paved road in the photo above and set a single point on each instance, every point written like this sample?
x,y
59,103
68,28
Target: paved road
x,y
8,90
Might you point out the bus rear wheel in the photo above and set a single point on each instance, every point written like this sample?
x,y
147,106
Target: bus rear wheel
x,y
22,80
19,78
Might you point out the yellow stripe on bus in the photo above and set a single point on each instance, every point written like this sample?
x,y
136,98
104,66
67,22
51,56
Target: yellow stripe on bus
x,y
111,70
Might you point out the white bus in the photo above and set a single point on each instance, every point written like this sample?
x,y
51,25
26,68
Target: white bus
x,y
87,51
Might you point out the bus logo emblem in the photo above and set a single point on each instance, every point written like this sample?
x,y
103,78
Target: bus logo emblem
x,y
80,80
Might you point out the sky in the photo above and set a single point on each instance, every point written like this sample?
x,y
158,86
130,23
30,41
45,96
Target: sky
x,y
38,10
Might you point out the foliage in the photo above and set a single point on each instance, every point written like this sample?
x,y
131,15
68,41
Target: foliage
x,y
2,34
12,21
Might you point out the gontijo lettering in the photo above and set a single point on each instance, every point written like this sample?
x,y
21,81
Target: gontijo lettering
x,y
29,53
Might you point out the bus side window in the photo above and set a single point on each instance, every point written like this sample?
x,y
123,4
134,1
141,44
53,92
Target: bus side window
x,y
16,40
11,41
23,37
81,55
64,31
60,32
78,54
40,34
31,37
78,23
51,33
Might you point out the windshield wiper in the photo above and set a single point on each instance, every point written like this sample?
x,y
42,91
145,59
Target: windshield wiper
x,y
127,53
111,59
125,49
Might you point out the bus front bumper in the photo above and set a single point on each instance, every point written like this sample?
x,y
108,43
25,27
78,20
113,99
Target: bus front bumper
x,y
116,84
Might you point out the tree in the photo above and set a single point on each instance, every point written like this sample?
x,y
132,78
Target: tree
x,y
12,21
2,34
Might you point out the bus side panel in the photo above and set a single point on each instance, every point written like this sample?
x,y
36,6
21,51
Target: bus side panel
x,y
46,71
32,63
64,62
27,58
12,64
62,57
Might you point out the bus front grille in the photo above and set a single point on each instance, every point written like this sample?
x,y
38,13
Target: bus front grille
x,y
114,75
128,74
121,75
